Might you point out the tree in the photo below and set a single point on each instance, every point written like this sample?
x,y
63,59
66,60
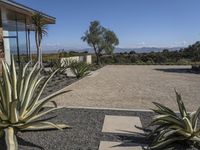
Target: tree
x,y
40,31
100,39
132,52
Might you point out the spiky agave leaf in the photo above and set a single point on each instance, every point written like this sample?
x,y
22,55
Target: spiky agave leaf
x,y
20,103
33,113
11,140
7,88
194,118
42,125
165,143
163,109
169,119
172,127
80,69
181,105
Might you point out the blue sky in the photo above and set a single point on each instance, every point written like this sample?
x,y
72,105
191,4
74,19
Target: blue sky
x,y
137,23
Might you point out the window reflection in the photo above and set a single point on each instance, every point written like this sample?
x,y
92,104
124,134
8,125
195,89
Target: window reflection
x,y
15,33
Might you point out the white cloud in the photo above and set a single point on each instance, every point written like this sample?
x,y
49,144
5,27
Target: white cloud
x,y
180,43
184,43
141,43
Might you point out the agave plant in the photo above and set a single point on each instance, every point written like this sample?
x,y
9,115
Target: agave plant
x,y
61,65
20,103
80,69
172,128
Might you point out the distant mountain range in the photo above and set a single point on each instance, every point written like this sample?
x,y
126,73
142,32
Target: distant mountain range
x,y
118,50
147,49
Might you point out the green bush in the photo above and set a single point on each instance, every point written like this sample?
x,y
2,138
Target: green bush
x,y
80,69
183,62
139,62
20,103
150,62
94,67
196,68
172,128
60,66
107,60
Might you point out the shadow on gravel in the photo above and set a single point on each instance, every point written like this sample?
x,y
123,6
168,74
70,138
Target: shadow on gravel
x,y
178,70
140,139
21,142
133,139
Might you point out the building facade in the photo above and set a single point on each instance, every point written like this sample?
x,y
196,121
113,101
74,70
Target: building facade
x,y
17,30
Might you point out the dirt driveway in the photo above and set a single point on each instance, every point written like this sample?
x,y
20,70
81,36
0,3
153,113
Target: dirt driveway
x,y
129,86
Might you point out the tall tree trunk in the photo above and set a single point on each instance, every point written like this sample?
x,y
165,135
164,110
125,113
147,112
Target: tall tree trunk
x,y
39,49
98,61
37,46
41,63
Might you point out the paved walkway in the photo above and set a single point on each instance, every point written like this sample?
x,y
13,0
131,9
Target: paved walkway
x,y
129,86
124,125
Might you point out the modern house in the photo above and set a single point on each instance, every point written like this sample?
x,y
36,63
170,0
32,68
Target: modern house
x,y
17,30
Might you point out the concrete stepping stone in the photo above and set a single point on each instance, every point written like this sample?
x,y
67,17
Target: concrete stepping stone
x,y
106,145
121,124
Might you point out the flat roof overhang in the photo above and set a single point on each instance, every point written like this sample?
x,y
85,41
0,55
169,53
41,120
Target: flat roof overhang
x,y
9,4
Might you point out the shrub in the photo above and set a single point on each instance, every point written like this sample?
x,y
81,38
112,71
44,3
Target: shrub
x,y
20,103
133,58
61,66
139,62
94,67
172,128
183,62
150,62
108,59
196,68
121,59
80,69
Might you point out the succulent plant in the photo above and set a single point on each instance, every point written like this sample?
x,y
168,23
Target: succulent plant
x,y
20,103
172,128
62,65
80,69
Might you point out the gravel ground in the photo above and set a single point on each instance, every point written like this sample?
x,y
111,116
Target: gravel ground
x,y
134,86
57,83
85,133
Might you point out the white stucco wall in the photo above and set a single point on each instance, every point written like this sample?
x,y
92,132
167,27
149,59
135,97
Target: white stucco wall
x,y
87,59
76,58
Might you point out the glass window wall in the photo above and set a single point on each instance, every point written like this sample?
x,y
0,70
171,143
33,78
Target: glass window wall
x,y
16,36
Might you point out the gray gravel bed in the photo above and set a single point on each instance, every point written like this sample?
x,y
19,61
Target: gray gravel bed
x,y
85,133
57,83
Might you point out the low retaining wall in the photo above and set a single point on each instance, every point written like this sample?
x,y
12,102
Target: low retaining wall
x,y
87,59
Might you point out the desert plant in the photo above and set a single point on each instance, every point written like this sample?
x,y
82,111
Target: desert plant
x,y
100,39
61,66
80,69
20,103
40,31
196,68
172,128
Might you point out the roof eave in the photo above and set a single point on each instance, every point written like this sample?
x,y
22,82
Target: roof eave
x,y
27,10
